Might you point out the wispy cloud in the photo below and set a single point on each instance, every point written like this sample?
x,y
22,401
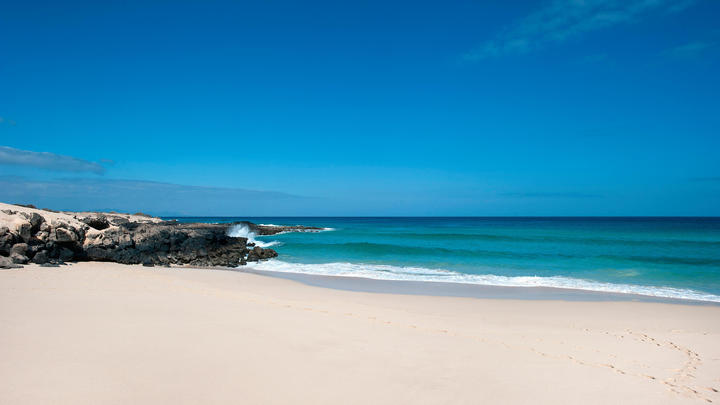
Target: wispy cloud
x,y
550,195
690,49
151,197
562,20
47,160
3,120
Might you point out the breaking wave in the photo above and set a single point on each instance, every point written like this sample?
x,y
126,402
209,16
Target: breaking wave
x,y
401,273
243,231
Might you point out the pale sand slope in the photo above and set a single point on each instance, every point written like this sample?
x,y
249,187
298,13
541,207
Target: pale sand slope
x,y
96,333
65,217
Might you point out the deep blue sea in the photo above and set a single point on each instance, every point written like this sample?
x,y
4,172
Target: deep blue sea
x,y
664,257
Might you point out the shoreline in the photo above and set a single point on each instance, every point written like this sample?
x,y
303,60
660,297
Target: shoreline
x,y
466,290
41,236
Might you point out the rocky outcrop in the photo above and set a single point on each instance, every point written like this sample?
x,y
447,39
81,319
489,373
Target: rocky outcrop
x,y
29,235
262,230
172,243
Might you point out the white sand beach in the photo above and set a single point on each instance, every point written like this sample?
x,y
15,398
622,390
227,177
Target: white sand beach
x,y
90,333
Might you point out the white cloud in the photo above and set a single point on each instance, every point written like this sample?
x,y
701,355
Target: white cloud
x,y
151,197
690,49
562,20
47,160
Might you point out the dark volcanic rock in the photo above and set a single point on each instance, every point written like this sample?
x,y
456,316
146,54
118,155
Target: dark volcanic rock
x,y
41,257
18,258
25,231
275,229
19,249
7,240
66,254
171,243
35,221
99,222
119,221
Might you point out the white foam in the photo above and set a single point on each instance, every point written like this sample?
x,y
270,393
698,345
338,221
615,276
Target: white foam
x,y
399,273
298,230
242,231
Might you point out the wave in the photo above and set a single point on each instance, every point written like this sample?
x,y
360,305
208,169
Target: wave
x,y
373,249
696,261
554,239
401,273
242,231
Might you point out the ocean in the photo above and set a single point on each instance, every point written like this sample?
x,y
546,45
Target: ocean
x,y
661,257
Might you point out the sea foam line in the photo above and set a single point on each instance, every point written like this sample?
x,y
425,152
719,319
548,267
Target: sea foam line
x,y
243,231
299,230
400,273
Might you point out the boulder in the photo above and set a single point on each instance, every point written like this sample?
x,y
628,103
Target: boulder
x,y
19,249
35,220
41,257
63,235
119,221
18,258
24,230
7,263
7,240
66,254
99,222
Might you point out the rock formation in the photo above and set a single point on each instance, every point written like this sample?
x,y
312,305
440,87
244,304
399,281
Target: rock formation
x,y
263,230
29,235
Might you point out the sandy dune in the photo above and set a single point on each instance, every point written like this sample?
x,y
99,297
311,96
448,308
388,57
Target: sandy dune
x,y
94,333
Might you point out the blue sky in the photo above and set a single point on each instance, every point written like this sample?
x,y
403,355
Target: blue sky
x,y
566,107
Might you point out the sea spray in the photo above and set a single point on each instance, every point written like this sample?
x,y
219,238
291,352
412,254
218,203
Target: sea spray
x,y
243,231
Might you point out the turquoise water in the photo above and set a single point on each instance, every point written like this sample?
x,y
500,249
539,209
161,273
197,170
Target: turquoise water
x,y
667,257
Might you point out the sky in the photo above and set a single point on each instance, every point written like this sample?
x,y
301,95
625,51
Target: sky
x,y
401,108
